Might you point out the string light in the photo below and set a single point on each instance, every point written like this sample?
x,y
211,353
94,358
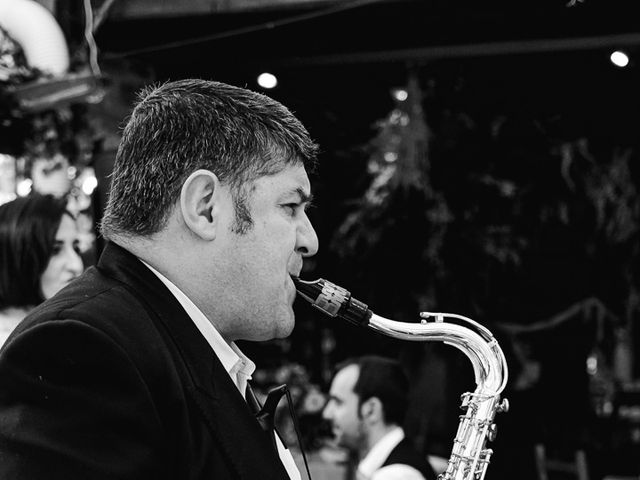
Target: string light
x,y
400,94
267,80
619,59
23,188
89,184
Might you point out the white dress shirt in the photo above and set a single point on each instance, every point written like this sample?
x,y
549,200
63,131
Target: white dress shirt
x,y
370,467
238,366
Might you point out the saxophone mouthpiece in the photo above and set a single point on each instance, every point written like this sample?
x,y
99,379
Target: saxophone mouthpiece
x,y
333,300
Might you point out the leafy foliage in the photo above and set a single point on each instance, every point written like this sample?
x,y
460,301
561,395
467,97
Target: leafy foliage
x,y
487,215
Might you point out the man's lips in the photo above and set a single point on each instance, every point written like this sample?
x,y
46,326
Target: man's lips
x,y
295,267
291,286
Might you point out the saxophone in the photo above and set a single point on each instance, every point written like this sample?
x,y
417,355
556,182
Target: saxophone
x,y
469,456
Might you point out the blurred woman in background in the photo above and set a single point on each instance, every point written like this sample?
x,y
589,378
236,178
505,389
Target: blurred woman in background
x,y
39,255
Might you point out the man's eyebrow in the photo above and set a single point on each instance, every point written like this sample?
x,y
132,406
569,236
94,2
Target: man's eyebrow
x,y
304,196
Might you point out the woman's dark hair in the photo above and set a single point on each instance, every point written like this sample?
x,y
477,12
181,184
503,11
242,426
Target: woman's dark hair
x,y
28,227
384,379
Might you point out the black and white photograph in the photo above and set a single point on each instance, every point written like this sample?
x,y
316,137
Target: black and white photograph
x,y
319,240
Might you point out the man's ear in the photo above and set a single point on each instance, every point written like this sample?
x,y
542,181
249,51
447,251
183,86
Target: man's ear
x,y
199,205
371,410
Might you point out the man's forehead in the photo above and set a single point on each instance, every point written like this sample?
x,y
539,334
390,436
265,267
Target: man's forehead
x,y
298,177
345,379
291,180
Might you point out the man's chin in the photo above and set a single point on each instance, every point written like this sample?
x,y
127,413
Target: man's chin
x,y
286,323
340,443
285,329
281,329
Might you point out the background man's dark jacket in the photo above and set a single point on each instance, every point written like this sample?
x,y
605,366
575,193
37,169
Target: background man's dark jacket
x,y
111,379
406,454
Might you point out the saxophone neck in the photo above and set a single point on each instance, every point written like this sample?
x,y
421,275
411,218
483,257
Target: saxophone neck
x,y
479,346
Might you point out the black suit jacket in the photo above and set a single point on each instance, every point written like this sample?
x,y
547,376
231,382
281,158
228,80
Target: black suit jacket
x,y
406,453
110,379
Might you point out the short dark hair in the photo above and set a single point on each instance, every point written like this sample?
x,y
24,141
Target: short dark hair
x,y
385,379
28,227
179,127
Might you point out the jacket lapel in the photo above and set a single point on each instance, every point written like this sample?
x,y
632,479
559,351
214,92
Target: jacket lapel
x,y
223,408
248,447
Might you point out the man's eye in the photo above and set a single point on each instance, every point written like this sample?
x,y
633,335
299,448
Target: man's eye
x,y
291,207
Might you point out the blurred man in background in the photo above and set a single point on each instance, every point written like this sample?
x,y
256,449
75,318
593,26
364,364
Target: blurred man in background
x,y
366,408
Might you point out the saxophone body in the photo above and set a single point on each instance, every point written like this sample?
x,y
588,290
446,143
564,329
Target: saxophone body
x,y
470,455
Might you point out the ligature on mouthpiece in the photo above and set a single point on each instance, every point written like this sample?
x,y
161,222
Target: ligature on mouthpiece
x,y
333,300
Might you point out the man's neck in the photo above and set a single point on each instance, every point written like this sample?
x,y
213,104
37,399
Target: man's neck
x,y
374,435
157,253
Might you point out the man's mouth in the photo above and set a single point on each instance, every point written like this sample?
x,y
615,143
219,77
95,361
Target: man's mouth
x,y
292,286
293,279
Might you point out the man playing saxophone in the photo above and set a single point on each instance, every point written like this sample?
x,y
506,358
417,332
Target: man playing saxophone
x,y
132,372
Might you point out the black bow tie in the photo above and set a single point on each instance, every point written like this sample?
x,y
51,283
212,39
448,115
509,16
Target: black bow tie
x,y
266,413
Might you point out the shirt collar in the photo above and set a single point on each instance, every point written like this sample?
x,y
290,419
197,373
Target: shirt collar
x,y
237,365
379,453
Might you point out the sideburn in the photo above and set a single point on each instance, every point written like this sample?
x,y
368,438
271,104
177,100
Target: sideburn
x,y
243,222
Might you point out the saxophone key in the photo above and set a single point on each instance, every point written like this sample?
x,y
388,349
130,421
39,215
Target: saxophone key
x,y
493,432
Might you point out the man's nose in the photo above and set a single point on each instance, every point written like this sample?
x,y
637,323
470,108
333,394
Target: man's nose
x,y
307,239
327,412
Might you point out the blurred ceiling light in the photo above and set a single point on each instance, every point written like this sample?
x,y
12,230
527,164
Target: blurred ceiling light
x,y
400,94
390,157
23,188
619,58
89,184
267,80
